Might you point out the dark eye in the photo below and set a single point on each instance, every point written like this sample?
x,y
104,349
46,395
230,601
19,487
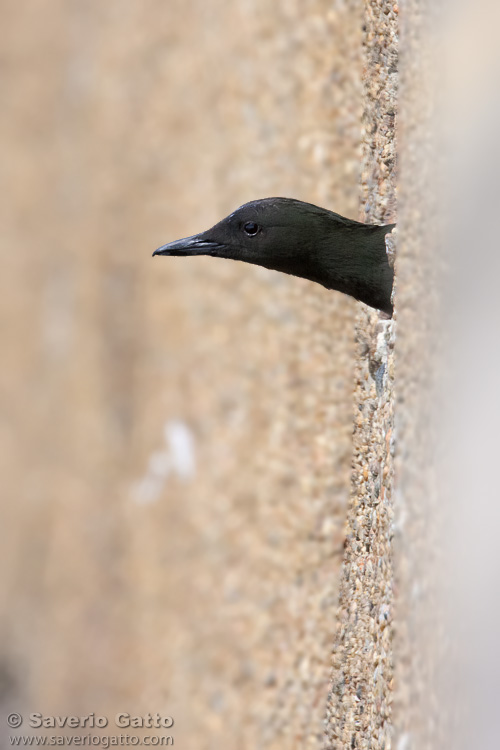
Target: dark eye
x,y
251,228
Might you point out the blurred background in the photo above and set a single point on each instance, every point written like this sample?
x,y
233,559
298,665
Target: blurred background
x,y
175,433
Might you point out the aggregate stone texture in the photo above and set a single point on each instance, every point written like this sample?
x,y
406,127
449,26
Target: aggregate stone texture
x,y
359,706
176,433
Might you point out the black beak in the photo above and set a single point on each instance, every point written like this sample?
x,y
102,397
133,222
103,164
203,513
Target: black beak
x,y
195,245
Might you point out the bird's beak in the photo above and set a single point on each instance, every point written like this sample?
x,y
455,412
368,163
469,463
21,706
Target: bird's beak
x,y
195,245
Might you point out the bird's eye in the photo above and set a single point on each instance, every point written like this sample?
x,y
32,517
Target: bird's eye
x,y
251,228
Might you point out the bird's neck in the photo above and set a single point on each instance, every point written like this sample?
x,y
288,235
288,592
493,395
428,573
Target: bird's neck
x,y
354,261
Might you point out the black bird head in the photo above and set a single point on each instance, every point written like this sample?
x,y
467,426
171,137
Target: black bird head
x,y
303,240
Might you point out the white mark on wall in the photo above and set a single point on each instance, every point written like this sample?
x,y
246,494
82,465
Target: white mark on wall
x,y
176,458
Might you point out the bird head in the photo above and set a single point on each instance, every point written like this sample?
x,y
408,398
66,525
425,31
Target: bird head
x,y
303,240
276,233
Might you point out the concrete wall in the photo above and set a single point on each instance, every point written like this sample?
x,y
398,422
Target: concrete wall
x,y
360,703
176,435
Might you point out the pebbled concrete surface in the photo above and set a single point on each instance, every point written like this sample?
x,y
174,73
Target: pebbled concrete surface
x,y
176,445
360,702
